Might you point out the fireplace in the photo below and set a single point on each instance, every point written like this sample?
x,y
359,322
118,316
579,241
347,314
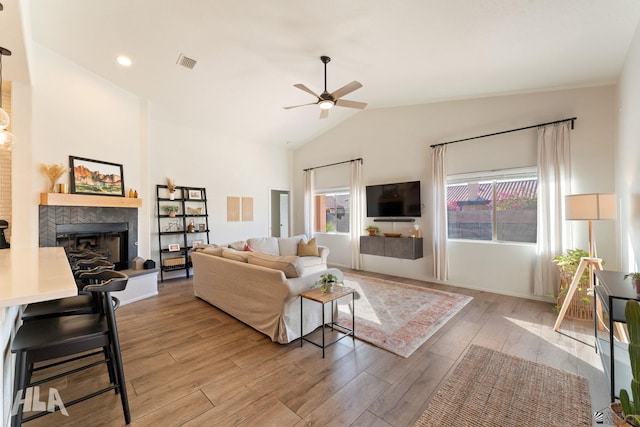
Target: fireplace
x,y
107,239
108,230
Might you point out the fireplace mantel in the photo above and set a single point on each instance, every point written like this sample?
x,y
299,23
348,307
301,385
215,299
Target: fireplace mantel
x,y
59,199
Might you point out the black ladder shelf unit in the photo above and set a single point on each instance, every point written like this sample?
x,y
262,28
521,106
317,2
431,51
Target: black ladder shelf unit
x,y
177,233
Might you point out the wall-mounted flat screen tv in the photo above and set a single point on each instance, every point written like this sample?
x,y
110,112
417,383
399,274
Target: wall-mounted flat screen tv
x,y
400,199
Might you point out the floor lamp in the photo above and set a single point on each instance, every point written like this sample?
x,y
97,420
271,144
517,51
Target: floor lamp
x,y
586,207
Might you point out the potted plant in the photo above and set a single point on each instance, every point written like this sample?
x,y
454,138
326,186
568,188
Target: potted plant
x,y
581,306
372,229
327,281
171,210
631,409
635,278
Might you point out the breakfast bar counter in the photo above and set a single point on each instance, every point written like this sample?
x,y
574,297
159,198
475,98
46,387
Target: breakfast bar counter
x,y
29,275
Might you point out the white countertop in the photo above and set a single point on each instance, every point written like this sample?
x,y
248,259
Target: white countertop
x,y
34,274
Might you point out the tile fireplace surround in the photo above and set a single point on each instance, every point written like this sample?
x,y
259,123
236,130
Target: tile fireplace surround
x,y
52,216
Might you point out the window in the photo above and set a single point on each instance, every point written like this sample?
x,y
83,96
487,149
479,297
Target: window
x,y
332,212
495,206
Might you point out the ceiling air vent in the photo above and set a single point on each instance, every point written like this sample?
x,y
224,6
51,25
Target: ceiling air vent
x,y
186,62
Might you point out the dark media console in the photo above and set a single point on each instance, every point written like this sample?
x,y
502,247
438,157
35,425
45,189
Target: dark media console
x,y
394,247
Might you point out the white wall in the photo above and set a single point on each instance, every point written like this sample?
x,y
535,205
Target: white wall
x,y
225,168
73,112
394,144
628,159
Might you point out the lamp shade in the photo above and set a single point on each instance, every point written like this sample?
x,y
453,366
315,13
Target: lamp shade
x,y
593,206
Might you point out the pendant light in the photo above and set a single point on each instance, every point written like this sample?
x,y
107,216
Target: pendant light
x,y
6,138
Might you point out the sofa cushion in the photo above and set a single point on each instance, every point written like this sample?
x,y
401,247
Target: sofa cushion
x,y
289,245
264,244
291,266
237,245
211,250
308,249
247,248
235,255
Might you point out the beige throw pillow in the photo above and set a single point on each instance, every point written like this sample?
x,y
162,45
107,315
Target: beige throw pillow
x,y
291,265
308,249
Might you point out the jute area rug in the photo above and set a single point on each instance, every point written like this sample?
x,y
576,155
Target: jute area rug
x,y
395,316
489,388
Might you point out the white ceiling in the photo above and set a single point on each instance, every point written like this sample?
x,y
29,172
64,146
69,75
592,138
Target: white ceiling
x,y
250,53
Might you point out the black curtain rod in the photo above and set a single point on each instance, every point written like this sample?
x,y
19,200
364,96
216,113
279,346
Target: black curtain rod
x,y
572,120
359,159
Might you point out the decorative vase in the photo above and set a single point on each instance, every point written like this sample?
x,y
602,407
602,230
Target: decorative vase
x,y
372,232
172,214
328,287
172,196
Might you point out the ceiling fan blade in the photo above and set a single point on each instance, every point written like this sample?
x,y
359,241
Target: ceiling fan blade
x,y
301,105
350,104
346,89
324,114
306,89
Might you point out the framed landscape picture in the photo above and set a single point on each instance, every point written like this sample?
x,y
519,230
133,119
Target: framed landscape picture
x,y
96,177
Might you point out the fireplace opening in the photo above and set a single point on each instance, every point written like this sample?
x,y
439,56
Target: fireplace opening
x,y
107,239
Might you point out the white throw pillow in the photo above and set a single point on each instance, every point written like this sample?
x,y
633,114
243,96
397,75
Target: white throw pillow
x,y
264,244
289,245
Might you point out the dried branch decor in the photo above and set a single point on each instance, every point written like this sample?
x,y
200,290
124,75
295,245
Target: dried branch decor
x,y
54,172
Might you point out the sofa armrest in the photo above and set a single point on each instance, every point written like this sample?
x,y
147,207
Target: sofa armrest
x,y
323,251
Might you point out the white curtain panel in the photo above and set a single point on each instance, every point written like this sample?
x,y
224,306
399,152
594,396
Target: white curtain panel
x,y
439,183
356,206
554,178
308,203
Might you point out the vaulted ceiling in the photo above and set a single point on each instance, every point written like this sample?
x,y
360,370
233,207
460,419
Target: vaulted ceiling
x,y
250,53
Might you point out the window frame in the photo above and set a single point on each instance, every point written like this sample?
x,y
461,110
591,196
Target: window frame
x,y
492,177
333,191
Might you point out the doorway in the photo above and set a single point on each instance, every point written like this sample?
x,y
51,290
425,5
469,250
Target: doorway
x,y
280,213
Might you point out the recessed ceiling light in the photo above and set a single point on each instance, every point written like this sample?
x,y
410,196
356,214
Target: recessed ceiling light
x,y
125,61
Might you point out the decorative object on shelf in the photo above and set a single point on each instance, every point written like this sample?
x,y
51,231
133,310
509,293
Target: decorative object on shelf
x,y
171,210
174,247
6,138
202,226
631,409
372,229
194,195
194,211
581,305
171,186
191,227
635,278
327,281
197,243
96,177
416,232
62,188
54,172
392,234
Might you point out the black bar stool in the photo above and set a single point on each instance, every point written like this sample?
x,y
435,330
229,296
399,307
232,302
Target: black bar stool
x,y
71,337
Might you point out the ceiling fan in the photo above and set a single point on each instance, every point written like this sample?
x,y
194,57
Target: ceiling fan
x,y
327,100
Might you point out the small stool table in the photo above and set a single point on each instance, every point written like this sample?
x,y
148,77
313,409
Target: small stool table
x,y
318,295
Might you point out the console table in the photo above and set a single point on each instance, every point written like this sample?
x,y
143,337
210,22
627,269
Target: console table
x,y
613,292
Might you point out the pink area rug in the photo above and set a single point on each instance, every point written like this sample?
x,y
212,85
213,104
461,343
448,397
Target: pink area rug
x,y
395,316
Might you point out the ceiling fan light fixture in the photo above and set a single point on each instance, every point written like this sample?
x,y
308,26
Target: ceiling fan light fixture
x,y
326,104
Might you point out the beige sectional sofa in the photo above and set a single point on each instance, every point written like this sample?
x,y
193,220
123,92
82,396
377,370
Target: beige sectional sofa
x,y
261,288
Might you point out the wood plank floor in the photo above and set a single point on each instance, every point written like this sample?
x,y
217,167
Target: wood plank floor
x,y
188,363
